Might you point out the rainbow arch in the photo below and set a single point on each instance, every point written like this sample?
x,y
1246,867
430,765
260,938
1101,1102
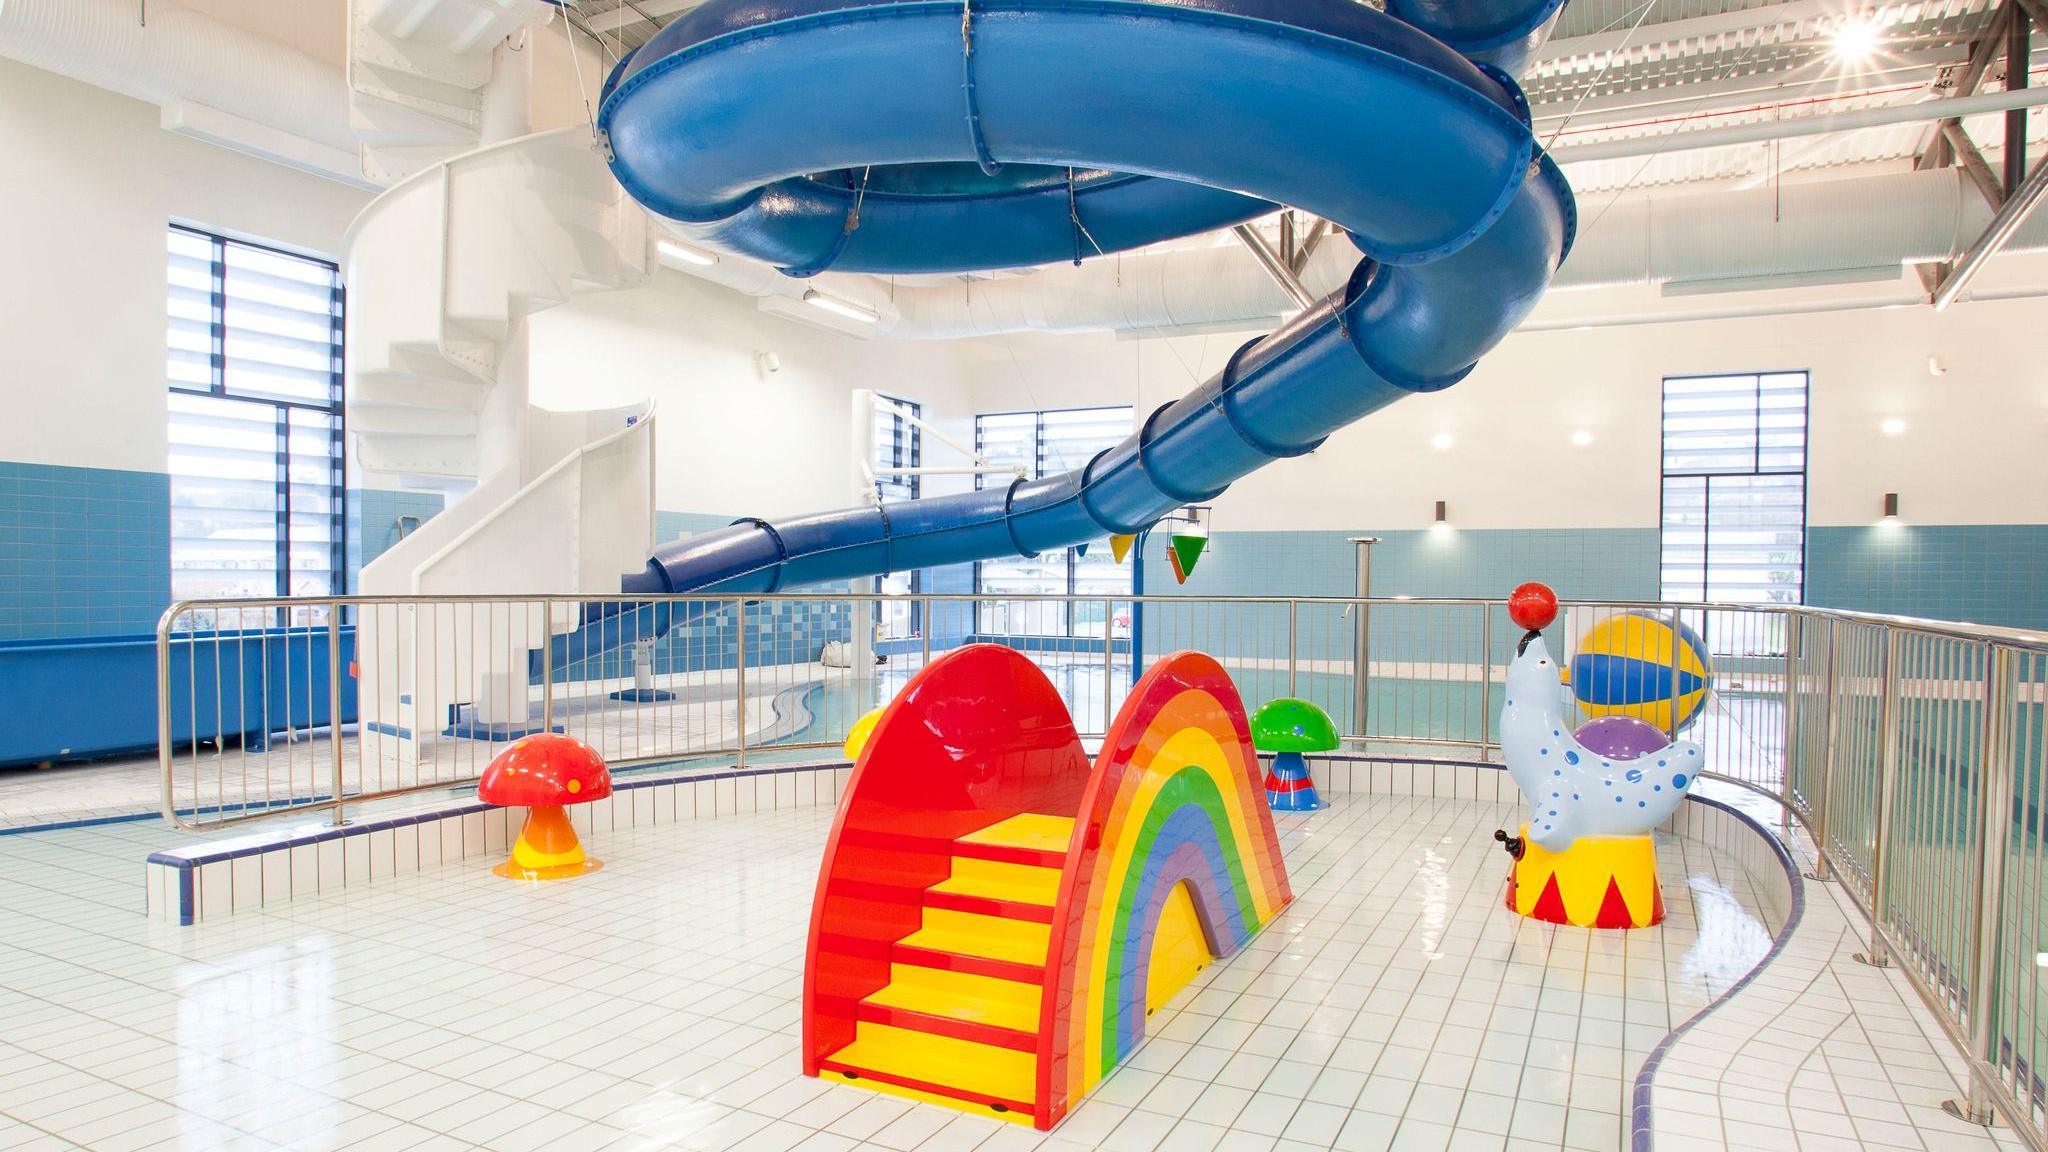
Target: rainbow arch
x,y
996,917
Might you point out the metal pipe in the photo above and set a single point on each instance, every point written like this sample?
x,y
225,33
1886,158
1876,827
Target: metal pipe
x,y
740,672
1995,828
2019,43
333,709
2011,215
1821,868
1887,783
1954,107
1361,666
1788,754
1275,267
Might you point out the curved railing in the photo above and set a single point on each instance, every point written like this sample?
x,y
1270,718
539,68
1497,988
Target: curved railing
x,y
1912,751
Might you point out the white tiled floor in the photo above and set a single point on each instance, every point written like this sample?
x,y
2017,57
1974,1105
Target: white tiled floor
x,y
653,1004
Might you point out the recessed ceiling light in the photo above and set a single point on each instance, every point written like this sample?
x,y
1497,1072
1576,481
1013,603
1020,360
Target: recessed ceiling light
x,y
1443,441
1894,427
1582,438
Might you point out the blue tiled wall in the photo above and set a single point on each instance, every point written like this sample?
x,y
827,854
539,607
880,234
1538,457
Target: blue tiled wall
x,y
1985,574
373,515
83,551
1590,564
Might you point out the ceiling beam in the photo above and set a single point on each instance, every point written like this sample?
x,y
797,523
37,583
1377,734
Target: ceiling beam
x,y
1955,107
2008,220
1973,163
1809,80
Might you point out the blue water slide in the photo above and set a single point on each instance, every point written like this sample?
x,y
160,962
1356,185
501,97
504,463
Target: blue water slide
x,y
901,136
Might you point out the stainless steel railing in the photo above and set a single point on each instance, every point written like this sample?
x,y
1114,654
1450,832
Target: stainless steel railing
x,y
1913,751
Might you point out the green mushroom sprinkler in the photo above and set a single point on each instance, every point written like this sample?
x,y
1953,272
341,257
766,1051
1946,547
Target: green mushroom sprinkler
x,y
1288,727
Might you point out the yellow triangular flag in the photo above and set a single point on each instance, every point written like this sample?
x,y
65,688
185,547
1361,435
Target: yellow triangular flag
x,y
1120,546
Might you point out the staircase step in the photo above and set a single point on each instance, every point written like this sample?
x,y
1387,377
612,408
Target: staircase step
x,y
981,937
962,1005
942,1065
1032,838
998,888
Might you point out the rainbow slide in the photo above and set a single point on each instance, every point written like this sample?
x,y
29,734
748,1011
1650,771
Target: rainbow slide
x,y
996,917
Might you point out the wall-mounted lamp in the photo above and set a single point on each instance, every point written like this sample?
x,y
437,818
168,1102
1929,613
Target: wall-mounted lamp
x,y
836,306
1891,508
768,362
1443,517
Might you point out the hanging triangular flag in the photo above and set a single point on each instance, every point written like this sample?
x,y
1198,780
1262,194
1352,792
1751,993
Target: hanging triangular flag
x,y
1120,546
1081,549
1183,552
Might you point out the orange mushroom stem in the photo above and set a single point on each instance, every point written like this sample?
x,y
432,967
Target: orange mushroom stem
x,y
544,773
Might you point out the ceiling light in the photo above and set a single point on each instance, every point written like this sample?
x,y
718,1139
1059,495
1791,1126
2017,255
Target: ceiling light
x,y
838,307
1894,427
1582,438
1443,441
1856,40
686,253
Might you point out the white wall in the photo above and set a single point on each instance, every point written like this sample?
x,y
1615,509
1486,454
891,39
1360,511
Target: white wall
x,y
734,439
89,184
1973,451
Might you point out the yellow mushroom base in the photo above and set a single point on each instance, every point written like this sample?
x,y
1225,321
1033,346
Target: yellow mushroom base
x,y
547,849
1598,882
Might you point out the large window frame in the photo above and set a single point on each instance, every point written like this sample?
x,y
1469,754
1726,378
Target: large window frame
x,y
216,372
1078,575
1755,464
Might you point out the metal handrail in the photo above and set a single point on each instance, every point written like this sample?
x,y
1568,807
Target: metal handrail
x,y
1822,709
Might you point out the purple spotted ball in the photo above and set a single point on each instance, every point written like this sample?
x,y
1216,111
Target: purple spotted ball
x,y
1621,737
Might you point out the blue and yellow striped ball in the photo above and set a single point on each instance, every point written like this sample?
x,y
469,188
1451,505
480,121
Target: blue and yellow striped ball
x,y
1624,667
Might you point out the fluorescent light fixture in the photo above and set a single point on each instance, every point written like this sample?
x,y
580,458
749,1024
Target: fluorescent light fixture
x,y
1582,438
838,307
1894,427
1891,508
1856,40
1443,441
686,253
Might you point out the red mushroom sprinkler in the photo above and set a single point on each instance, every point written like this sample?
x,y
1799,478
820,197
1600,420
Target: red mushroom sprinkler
x,y
543,774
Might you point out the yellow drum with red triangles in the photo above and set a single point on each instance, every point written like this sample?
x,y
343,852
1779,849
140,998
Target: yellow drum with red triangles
x,y
1598,882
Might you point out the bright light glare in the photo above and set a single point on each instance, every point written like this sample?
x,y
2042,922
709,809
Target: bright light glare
x,y
1894,427
1443,441
1856,41
686,253
1582,439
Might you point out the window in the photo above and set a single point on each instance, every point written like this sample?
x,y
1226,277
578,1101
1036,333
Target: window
x,y
1734,526
1046,444
255,370
898,444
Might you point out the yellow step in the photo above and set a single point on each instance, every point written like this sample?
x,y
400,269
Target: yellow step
x,y
994,880
1031,831
961,996
962,1065
989,937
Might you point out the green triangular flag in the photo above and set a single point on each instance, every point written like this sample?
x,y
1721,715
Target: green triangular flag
x,y
1186,550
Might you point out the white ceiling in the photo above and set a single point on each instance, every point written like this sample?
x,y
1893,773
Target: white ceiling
x,y
1649,69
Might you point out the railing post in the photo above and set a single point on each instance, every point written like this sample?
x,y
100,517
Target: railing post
x,y
547,665
1108,664
924,634
333,708
166,754
1361,651
1995,829
1821,870
1485,678
1789,751
1887,777
1293,641
740,672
